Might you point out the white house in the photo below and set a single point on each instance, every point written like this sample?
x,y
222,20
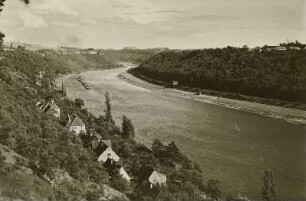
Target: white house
x,y
152,175
175,83
124,174
107,153
157,178
76,125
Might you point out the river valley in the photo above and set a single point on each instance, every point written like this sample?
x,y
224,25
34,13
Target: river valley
x,y
231,145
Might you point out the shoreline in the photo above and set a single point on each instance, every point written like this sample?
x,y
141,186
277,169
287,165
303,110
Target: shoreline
x,y
290,115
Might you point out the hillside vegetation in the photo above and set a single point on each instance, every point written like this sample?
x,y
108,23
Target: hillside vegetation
x,y
50,163
77,62
268,74
135,56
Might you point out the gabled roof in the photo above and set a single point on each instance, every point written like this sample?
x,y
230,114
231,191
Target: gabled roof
x,y
101,148
50,106
98,142
107,143
145,172
160,174
76,121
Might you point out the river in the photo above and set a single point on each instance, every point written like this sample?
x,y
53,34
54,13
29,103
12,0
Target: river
x,y
231,145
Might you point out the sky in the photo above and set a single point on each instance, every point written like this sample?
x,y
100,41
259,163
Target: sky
x,y
176,24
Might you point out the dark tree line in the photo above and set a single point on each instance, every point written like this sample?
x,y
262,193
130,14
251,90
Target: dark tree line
x,y
268,74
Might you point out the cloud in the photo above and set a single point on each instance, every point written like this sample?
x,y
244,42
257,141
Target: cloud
x,y
168,11
70,40
64,24
31,20
206,17
147,23
146,8
121,6
54,6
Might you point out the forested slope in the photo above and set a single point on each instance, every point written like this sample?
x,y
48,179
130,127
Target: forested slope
x,y
267,74
54,164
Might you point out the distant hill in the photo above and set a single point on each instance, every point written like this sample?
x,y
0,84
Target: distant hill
x,y
32,47
129,54
266,73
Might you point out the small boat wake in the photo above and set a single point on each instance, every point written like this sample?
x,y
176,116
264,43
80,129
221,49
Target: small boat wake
x,y
237,128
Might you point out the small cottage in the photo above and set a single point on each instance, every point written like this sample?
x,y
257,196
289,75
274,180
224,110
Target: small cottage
x,y
175,83
105,152
152,175
75,124
51,108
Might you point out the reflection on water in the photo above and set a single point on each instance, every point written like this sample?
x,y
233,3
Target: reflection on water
x,y
233,146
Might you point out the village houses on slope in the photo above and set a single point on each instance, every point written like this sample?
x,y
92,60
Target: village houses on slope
x,y
105,153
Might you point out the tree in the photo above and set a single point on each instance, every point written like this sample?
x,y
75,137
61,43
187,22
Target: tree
x,y
157,148
108,109
127,128
79,103
119,183
213,188
268,190
64,91
173,151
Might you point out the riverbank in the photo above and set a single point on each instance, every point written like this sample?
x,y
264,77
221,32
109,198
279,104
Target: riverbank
x,y
205,132
291,115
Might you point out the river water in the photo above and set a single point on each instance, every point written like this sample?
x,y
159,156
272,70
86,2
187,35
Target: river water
x,y
231,145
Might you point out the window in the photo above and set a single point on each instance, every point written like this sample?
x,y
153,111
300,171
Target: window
x,y
109,154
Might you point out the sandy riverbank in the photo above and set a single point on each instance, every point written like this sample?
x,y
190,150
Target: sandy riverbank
x,y
291,115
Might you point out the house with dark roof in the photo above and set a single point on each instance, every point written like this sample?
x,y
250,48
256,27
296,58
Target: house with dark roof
x,y
51,108
75,124
40,103
97,140
104,151
151,175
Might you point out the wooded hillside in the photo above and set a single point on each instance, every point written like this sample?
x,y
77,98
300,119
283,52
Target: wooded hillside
x,y
55,164
267,74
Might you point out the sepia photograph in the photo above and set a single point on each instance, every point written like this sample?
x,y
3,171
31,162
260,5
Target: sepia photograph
x,y
152,100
